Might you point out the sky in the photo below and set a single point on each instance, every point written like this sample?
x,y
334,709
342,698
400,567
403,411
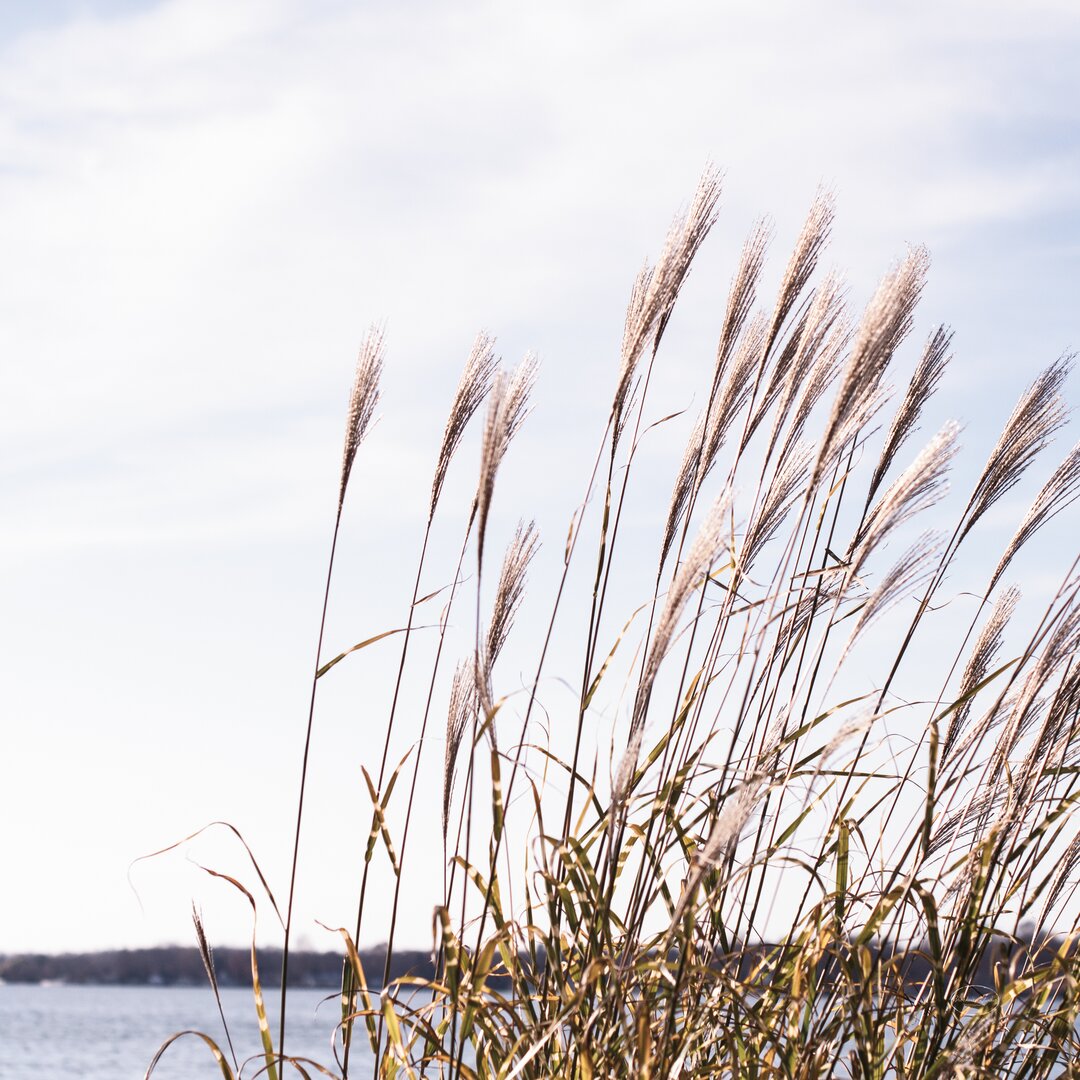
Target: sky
x,y
203,207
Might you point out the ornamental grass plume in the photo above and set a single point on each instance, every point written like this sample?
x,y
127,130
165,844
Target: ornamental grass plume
x,y
804,803
362,403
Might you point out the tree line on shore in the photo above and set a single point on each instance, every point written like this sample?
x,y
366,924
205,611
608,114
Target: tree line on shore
x,y
177,965
182,966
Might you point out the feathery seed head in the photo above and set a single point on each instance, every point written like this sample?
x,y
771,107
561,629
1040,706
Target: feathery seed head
x,y
508,597
656,290
620,786
816,379
684,482
1056,494
912,570
711,540
916,489
804,259
885,323
978,665
362,403
788,481
924,381
1037,416
507,409
511,587
472,388
742,296
735,393
792,379
461,710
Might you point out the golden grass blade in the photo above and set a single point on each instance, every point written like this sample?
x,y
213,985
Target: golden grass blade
x,y
363,645
474,875
595,684
451,953
219,1057
396,1043
378,815
239,836
497,810
358,985
256,986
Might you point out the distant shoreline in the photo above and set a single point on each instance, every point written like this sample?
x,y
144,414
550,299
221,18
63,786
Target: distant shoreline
x,y
182,966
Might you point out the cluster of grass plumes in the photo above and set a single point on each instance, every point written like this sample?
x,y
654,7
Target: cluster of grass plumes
x,y
788,869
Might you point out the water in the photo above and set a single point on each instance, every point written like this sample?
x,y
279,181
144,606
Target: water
x,y
113,1032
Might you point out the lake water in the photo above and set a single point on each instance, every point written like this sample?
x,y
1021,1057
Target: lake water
x,y
113,1032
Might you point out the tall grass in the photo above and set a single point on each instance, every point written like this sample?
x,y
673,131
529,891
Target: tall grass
x,y
835,837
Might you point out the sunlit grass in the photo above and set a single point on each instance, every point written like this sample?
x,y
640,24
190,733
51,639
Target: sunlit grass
x,y
782,873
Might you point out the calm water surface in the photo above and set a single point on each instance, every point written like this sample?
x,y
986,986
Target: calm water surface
x,y
112,1033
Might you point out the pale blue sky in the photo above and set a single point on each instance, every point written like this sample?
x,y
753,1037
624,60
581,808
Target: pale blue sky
x,y
202,207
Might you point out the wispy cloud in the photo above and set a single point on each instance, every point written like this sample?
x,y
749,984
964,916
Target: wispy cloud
x,y
204,205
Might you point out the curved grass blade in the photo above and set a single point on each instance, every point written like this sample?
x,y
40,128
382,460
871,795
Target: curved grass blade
x,y
219,1057
365,643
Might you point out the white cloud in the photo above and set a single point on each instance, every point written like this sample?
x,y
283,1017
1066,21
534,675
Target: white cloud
x,y
203,206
